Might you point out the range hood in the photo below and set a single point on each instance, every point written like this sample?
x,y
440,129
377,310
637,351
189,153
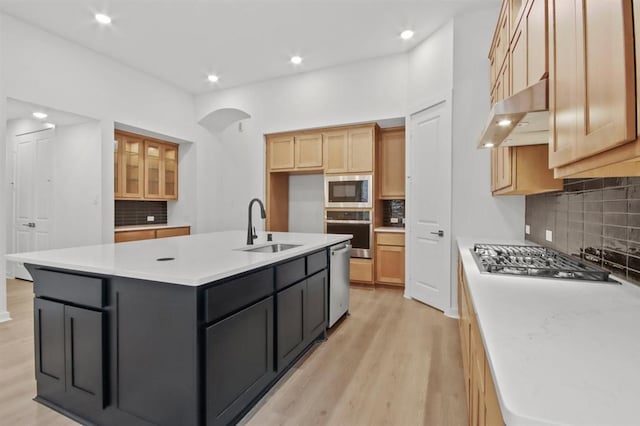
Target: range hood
x,y
521,119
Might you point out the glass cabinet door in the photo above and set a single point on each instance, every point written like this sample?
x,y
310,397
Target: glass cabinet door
x,y
132,163
116,167
153,166
170,185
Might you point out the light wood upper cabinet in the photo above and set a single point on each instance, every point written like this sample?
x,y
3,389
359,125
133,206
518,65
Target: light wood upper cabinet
x,y
336,148
391,154
281,151
145,169
522,170
361,147
131,164
308,151
529,47
592,93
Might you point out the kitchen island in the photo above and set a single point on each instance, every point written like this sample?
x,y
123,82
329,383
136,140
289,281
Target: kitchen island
x,y
187,330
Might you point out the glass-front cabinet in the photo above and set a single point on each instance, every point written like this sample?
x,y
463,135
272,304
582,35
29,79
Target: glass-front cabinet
x,y
144,169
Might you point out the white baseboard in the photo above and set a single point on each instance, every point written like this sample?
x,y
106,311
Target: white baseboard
x,y
4,316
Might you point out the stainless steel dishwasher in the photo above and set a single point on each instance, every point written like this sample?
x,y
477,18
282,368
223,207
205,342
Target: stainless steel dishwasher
x,y
339,281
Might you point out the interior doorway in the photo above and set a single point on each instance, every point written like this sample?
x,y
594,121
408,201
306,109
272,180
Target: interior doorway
x,y
54,180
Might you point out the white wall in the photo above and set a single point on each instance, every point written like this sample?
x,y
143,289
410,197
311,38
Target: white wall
x,y
77,185
359,92
4,314
306,203
475,212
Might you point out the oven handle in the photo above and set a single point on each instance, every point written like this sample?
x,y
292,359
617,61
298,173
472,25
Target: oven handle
x,y
366,222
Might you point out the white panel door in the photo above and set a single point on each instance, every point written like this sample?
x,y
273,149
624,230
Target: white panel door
x,y
33,194
429,204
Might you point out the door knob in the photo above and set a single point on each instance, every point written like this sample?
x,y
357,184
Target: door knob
x,y
29,224
440,233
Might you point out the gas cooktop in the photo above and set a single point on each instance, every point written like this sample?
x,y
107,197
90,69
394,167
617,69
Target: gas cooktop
x,y
534,261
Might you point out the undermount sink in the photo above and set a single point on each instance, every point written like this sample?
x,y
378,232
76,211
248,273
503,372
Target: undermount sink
x,y
272,248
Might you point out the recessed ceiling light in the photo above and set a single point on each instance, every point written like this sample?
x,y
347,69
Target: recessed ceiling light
x,y
40,115
296,60
213,78
488,145
103,19
504,123
406,35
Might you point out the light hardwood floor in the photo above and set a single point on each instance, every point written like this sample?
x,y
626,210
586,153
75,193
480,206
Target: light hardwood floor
x,y
392,362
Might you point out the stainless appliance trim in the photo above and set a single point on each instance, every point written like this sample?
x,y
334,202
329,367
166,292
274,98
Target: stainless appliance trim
x,y
349,178
364,253
338,281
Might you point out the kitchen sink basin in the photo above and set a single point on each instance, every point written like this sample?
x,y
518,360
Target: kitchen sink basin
x,y
272,248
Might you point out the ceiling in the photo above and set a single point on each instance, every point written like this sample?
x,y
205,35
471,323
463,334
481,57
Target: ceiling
x,y
241,41
17,109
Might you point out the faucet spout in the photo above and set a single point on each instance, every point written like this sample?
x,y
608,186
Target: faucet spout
x,y
250,232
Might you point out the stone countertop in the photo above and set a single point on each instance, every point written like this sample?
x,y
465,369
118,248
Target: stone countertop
x,y
198,259
561,352
150,226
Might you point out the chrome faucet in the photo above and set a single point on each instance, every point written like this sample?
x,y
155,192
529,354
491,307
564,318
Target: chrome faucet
x,y
251,231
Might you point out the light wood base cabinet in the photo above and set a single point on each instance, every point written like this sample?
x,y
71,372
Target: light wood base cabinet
x,y
482,400
390,255
361,270
150,234
522,170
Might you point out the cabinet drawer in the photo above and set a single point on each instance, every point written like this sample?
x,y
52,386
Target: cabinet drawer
x,y
173,232
230,296
316,262
390,239
361,270
78,289
290,272
124,236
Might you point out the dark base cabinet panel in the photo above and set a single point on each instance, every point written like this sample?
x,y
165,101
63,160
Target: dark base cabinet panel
x,y
239,361
290,323
315,318
48,320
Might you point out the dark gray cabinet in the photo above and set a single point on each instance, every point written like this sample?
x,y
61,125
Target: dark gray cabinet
x,y
301,317
239,361
69,354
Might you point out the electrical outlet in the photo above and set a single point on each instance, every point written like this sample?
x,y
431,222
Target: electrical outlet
x,y
527,229
151,218
548,236
403,221
394,220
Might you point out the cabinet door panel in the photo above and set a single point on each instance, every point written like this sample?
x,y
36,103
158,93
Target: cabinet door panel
x,y
84,333
153,170
390,265
392,164
308,150
536,24
315,315
49,346
360,150
336,152
117,165
132,174
605,36
290,324
239,361
169,172
519,60
281,153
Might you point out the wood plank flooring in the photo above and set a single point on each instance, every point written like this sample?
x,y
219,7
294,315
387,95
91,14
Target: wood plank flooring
x,y
392,362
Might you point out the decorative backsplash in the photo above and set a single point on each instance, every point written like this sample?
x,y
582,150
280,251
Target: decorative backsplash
x,y
136,212
392,209
595,219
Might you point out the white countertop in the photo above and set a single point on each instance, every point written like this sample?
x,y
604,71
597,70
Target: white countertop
x,y
561,352
389,229
199,258
150,226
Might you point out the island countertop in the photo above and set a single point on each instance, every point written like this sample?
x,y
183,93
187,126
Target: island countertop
x,y
197,259
561,352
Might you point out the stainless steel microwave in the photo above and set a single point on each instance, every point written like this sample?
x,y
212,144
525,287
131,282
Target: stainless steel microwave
x,y
348,191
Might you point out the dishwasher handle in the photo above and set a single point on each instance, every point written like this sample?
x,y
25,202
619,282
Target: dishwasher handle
x,y
341,250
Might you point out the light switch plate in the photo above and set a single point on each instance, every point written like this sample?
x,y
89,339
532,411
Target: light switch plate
x,y
548,235
527,229
151,218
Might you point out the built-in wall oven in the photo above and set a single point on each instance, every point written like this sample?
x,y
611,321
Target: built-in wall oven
x,y
348,192
354,222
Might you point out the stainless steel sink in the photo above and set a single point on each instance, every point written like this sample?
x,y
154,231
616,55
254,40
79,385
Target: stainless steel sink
x,y
272,248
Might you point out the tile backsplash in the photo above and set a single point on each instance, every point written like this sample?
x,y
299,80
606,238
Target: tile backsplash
x,y
136,212
392,209
595,219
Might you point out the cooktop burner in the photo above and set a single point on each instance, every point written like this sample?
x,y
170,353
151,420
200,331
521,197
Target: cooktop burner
x,y
534,261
